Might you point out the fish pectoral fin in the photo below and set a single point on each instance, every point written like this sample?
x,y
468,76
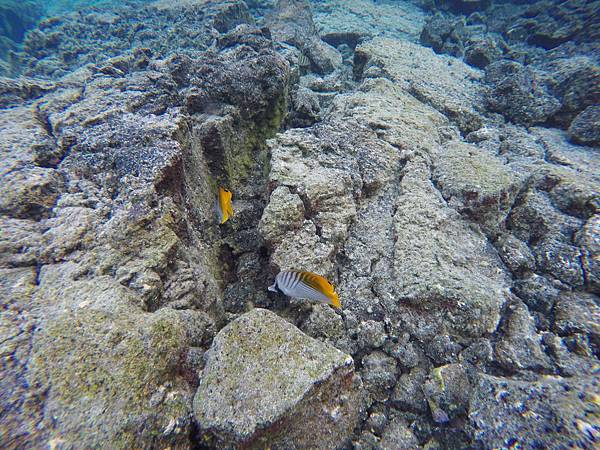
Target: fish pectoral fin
x,y
273,287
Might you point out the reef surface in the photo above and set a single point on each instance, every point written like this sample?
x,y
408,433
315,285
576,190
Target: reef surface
x,y
438,161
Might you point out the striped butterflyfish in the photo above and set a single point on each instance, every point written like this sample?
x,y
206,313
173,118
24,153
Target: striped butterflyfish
x,y
303,60
223,206
306,285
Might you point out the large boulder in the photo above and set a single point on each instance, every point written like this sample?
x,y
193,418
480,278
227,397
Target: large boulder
x,y
266,383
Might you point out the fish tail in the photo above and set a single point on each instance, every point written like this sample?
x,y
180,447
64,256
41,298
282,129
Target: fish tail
x,y
335,300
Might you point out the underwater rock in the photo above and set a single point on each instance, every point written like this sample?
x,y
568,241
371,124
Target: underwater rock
x,y
520,347
585,127
481,53
428,271
549,412
306,108
518,93
588,239
427,210
16,91
379,374
133,356
284,212
445,83
112,212
550,23
475,183
371,334
515,254
266,383
458,6
537,292
408,393
577,313
59,45
348,21
575,82
448,391
398,435
21,411
444,35
292,23
30,193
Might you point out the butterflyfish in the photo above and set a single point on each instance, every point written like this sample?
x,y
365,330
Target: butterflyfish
x,y
306,285
303,60
223,206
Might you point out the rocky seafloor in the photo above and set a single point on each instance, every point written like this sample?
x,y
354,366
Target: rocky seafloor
x,y
437,160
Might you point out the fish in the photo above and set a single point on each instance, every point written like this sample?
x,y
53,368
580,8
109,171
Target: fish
x,y
306,285
223,206
303,60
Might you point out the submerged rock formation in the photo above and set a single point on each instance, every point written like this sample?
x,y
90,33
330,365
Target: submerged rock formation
x,y
539,58
266,383
459,228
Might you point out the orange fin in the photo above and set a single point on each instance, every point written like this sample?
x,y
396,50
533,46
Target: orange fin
x,y
319,283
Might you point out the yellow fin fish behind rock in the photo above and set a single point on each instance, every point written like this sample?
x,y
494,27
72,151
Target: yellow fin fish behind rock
x,y
223,206
307,285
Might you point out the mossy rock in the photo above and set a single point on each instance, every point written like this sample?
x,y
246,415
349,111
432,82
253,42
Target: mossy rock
x,y
106,366
266,383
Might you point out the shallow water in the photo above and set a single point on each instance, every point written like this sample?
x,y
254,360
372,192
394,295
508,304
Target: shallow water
x,y
436,161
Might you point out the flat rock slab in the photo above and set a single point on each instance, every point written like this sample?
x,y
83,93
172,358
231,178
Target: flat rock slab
x,y
268,384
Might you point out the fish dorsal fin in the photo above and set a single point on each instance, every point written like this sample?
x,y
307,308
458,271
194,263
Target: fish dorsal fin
x,y
317,282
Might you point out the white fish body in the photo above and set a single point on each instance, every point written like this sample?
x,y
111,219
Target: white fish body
x,y
305,285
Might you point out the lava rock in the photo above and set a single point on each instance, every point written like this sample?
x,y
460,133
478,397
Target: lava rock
x,y
537,292
518,93
283,380
481,53
445,83
448,391
476,183
548,412
371,334
515,254
408,393
444,35
520,347
577,313
398,435
588,239
379,374
585,128
284,212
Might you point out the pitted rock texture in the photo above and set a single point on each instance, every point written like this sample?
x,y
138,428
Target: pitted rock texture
x,y
267,384
450,234
553,411
542,56
112,280
463,242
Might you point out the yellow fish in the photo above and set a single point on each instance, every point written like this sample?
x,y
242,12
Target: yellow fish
x,y
223,206
307,285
